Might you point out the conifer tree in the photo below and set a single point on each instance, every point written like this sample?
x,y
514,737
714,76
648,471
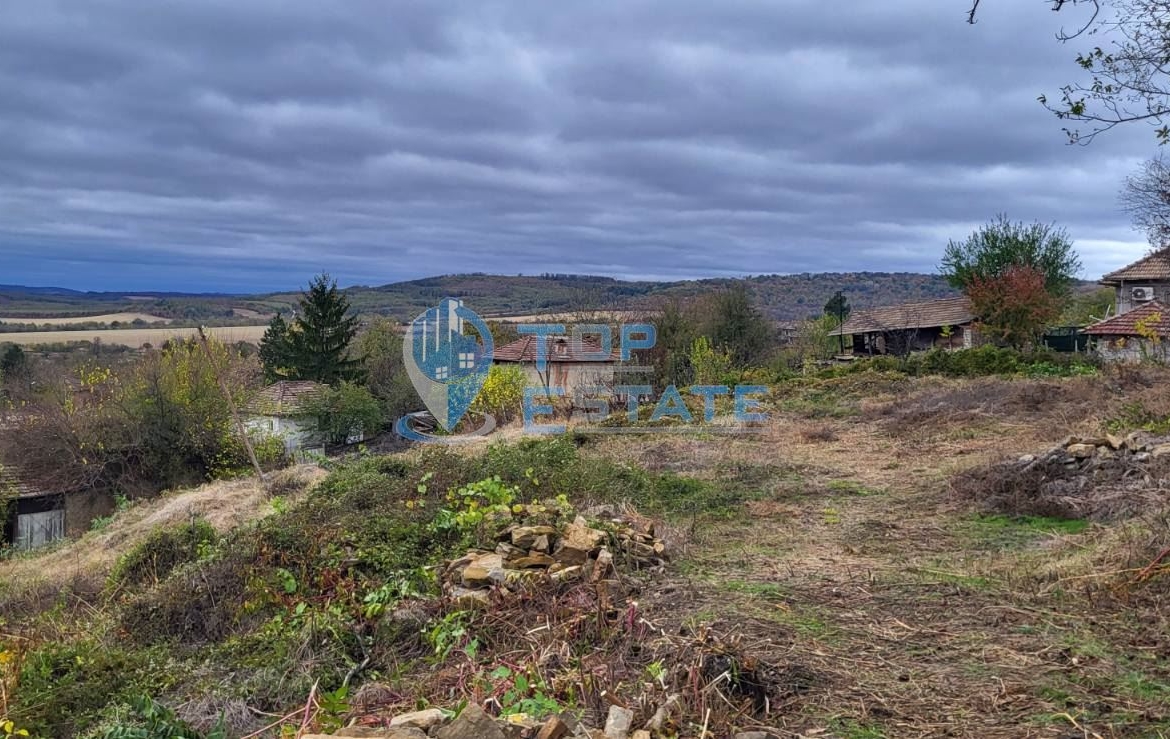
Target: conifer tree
x,y
316,345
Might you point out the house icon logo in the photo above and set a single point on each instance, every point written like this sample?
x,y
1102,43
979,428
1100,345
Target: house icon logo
x,y
447,365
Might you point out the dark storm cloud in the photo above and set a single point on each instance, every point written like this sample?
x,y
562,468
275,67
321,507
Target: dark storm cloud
x,y
225,145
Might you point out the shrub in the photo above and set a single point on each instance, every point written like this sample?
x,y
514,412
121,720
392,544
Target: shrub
x,y
64,687
503,391
981,361
151,561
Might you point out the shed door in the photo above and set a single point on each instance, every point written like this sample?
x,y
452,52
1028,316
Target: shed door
x,y
38,529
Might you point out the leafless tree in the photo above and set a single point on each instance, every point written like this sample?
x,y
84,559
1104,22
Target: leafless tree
x,y
1146,198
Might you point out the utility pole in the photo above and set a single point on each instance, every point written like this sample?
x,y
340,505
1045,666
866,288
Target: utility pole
x,y
840,306
223,388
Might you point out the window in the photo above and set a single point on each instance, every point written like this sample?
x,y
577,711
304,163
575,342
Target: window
x,y
441,373
466,360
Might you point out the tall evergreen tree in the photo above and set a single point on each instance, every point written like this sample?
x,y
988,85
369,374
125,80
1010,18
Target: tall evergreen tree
x,y
316,345
276,350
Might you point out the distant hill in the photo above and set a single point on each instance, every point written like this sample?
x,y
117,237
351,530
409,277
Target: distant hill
x,y
783,297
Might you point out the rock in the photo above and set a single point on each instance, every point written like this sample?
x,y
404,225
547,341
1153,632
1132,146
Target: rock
x,y
578,542
518,726
483,571
526,537
1081,451
662,715
462,562
567,573
617,723
1027,459
554,728
754,735
534,559
542,543
641,734
468,598
419,719
1115,442
507,551
1141,457
602,565
472,723
404,732
1160,451
1137,441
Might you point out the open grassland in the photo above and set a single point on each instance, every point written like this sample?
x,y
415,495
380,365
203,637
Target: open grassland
x,y
826,580
134,337
102,318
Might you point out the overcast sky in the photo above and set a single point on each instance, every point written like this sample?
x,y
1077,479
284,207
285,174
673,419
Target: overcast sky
x,y
244,145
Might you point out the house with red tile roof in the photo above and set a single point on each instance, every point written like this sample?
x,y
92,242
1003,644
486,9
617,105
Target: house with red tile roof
x,y
572,363
1144,281
1140,333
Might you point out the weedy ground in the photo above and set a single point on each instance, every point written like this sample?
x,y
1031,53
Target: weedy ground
x,y
919,613
827,581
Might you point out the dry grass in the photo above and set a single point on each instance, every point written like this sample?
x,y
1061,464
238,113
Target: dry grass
x,y
916,616
103,318
135,337
819,433
225,505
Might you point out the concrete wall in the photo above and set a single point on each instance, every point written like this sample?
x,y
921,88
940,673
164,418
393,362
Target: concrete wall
x,y
572,376
1124,291
1132,349
295,434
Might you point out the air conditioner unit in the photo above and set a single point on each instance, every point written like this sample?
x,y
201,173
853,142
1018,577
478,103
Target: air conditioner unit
x,y
1141,294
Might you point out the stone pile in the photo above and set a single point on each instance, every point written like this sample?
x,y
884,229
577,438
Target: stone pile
x,y
1089,453
528,553
474,723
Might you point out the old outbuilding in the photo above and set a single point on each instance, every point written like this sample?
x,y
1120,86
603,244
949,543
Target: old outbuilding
x,y
36,515
947,323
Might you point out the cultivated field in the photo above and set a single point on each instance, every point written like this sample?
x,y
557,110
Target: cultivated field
x,y
576,316
103,318
133,337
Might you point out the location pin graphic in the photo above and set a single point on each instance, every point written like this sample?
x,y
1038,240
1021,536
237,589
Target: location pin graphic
x,y
446,366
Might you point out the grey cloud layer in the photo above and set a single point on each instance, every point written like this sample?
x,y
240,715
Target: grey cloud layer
x,y
235,145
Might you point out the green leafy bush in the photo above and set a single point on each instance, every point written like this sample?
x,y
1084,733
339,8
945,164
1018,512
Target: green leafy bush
x,y
981,361
152,720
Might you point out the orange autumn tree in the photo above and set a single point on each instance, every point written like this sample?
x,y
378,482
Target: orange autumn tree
x,y
1015,306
